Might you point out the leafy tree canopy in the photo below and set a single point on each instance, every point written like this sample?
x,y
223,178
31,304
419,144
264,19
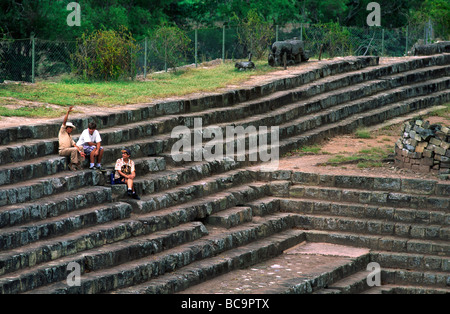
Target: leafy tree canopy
x,y
47,18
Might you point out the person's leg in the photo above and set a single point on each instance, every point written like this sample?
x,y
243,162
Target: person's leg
x,y
91,159
130,189
129,183
73,154
99,158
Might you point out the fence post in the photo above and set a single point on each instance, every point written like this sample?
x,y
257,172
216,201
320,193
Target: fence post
x,y
407,34
33,40
165,57
301,31
382,42
196,47
145,59
223,45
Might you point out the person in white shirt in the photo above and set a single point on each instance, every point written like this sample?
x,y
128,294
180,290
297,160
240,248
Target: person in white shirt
x,y
90,140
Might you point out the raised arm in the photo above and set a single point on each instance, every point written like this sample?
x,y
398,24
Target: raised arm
x,y
67,115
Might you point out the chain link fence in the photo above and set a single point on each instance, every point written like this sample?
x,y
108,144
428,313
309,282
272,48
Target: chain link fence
x,y
35,59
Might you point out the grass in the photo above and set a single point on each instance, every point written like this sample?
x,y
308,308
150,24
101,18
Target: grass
x,y
366,158
361,133
306,150
443,113
27,111
71,92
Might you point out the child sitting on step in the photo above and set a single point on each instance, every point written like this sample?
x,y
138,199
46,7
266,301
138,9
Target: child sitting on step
x,y
125,173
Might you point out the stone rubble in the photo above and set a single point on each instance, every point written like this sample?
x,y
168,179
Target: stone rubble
x,y
425,148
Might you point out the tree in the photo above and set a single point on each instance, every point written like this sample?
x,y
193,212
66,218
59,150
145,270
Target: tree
x,y
394,13
206,13
324,11
169,43
438,11
254,33
47,18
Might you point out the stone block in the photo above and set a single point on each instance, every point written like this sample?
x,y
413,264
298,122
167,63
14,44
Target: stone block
x,y
428,153
305,178
387,184
418,186
435,141
439,150
279,188
427,162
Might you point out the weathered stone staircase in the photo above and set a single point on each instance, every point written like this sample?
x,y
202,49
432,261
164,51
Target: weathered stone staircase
x,y
198,220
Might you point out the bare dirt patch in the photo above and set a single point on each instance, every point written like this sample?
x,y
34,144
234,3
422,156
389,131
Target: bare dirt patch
x,y
382,139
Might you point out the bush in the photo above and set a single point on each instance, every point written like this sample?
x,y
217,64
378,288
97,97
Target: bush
x,y
105,55
336,39
169,44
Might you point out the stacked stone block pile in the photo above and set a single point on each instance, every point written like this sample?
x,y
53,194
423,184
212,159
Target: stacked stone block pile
x,y
424,147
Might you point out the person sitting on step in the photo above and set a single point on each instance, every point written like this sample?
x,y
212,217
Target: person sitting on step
x,y
125,173
90,140
67,146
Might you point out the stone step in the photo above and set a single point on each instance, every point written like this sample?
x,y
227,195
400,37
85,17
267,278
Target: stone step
x,y
53,206
17,236
352,284
362,182
197,192
408,200
403,260
212,100
110,255
225,173
264,206
368,118
376,227
411,261
54,164
334,120
363,211
302,269
404,289
324,69
26,170
408,277
177,196
328,97
230,217
191,104
379,242
155,213
118,148
138,130
141,270
52,185
415,281
365,105
340,100
203,270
